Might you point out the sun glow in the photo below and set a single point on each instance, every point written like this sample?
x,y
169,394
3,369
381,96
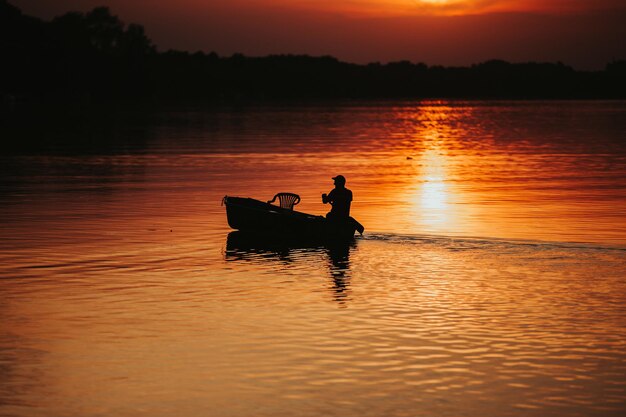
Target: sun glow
x,y
390,8
433,192
452,7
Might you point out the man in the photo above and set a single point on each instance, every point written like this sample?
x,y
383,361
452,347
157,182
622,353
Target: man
x,y
340,198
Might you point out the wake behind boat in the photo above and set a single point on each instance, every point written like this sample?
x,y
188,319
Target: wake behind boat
x,y
255,216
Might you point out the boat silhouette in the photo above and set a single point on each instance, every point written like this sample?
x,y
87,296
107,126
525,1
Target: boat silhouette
x,y
263,218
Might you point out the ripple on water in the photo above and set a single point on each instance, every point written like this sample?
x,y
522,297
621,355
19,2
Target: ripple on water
x,y
120,295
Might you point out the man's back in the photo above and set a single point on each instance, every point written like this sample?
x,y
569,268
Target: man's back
x,y
340,197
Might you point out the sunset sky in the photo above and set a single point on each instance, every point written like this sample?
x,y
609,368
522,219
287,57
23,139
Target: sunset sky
x,y
583,33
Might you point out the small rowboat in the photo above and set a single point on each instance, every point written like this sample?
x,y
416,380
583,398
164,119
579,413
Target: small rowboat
x,y
255,216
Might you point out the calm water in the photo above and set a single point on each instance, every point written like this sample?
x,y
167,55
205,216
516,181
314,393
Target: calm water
x,y
491,279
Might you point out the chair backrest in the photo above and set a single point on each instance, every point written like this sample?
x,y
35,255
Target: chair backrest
x,y
286,200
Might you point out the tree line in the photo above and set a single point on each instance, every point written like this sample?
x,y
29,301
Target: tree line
x,y
95,56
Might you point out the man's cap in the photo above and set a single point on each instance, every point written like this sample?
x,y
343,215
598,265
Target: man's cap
x,y
340,178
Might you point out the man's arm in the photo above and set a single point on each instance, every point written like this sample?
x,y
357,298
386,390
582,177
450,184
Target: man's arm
x,y
328,198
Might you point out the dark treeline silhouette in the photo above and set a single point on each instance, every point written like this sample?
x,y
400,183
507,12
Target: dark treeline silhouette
x,y
94,56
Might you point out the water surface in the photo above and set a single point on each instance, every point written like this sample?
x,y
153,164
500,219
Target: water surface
x,y
490,280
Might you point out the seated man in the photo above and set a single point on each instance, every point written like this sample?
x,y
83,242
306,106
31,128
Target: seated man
x,y
340,198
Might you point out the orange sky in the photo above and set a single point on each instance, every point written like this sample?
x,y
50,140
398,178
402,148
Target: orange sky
x,y
583,33
438,7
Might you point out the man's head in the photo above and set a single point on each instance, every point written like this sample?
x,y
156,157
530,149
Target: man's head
x,y
340,180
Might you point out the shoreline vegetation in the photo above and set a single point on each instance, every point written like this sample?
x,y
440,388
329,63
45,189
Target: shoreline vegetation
x,y
94,57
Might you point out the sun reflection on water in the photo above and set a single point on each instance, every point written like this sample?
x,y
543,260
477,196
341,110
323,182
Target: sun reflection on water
x,y
432,200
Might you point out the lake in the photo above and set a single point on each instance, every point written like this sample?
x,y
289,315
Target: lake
x,y
491,278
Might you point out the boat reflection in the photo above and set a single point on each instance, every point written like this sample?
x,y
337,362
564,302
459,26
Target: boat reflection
x,y
246,247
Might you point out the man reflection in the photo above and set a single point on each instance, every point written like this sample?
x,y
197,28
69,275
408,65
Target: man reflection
x,y
340,271
242,247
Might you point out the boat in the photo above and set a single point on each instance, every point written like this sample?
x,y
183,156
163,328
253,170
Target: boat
x,y
258,217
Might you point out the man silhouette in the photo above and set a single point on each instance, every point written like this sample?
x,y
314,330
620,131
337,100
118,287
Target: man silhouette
x,y
340,198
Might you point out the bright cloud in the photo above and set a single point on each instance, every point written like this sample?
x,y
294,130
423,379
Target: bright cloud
x,y
449,7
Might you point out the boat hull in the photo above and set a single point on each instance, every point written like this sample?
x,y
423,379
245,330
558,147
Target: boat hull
x,y
254,216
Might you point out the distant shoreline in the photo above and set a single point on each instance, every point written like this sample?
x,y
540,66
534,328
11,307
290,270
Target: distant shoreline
x,y
87,58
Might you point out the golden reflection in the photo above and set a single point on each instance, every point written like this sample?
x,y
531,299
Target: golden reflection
x,y
434,195
432,199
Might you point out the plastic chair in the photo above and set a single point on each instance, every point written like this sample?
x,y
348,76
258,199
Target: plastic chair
x,y
286,200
